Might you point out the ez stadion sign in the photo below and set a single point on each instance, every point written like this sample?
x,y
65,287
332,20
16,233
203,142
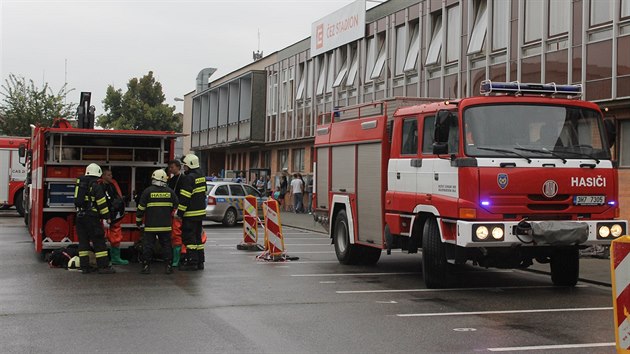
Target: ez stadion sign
x,y
342,26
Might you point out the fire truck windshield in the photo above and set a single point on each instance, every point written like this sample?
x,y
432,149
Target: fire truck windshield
x,y
544,131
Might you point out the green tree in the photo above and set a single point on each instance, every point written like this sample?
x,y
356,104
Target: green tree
x,y
23,103
142,107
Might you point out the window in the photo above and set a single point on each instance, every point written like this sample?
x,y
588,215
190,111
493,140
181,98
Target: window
x,y
480,28
309,80
343,70
302,77
380,59
601,12
253,159
414,48
533,20
624,143
298,160
221,191
558,19
625,8
369,59
251,190
433,54
236,190
331,73
427,135
500,18
453,34
409,137
401,47
354,67
322,75
283,159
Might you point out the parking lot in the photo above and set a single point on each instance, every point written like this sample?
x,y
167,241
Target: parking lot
x,y
313,305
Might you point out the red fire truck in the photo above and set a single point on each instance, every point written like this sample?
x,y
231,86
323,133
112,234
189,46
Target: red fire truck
x,y
59,154
13,173
521,173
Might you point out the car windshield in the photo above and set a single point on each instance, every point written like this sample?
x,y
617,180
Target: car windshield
x,y
534,131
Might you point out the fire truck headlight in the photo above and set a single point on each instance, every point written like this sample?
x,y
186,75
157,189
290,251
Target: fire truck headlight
x,y
616,230
481,232
604,231
497,233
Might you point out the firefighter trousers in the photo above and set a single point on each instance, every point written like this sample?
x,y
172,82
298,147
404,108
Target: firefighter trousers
x,y
148,245
90,229
191,237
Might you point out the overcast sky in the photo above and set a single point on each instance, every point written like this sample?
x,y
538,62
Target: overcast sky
x,y
106,42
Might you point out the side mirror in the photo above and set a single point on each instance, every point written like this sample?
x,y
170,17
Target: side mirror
x,y
611,131
22,151
440,148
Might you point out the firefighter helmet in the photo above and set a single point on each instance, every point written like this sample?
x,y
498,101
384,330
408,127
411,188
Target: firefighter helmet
x,y
93,170
159,177
192,161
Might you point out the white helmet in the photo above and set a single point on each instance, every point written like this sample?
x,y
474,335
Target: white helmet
x,y
192,161
74,263
159,177
93,170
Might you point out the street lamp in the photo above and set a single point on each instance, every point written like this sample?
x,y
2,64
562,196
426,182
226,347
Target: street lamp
x,y
177,99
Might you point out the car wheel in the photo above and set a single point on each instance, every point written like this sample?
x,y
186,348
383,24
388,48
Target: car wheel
x,y
230,217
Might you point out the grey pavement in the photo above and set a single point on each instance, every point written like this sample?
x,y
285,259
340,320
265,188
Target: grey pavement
x,y
314,305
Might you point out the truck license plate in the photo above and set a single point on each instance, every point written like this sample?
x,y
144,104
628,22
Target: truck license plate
x,y
589,200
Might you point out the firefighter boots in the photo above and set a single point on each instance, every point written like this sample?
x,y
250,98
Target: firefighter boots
x,y
168,269
146,269
177,252
114,253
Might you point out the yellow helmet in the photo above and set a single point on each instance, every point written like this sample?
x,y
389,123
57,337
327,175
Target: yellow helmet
x,y
192,161
160,176
93,170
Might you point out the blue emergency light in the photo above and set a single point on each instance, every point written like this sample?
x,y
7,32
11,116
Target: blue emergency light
x,y
488,87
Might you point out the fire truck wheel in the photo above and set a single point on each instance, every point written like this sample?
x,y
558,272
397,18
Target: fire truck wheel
x,y
565,266
370,255
19,206
435,268
346,253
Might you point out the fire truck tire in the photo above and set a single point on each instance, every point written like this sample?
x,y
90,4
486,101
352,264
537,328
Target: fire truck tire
x,y
346,253
19,206
565,266
436,270
369,255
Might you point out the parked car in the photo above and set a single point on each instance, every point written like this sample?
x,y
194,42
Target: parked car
x,y
225,201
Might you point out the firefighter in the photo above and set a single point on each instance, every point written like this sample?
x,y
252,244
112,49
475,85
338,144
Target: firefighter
x,y
175,183
192,209
91,204
157,204
116,206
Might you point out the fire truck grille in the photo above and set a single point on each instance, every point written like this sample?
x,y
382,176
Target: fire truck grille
x,y
540,207
542,198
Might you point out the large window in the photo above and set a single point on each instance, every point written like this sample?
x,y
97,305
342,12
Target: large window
x,y
533,20
283,159
414,48
354,67
433,54
342,55
369,58
625,8
534,131
601,12
500,18
331,73
624,146
302,81
559,12
409,137
321,78
480,28
453,34
298,160
379,63
401,47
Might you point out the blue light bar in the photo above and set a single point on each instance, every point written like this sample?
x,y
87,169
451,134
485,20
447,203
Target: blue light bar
x,y
516,87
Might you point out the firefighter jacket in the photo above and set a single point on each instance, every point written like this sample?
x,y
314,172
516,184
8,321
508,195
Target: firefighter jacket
x,y
156,205
89,198
175,183
192,197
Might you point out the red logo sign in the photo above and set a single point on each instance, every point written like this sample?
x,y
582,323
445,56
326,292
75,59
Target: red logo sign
x,y
320,36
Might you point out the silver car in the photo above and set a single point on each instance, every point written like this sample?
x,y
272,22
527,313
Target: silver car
x,y
225,201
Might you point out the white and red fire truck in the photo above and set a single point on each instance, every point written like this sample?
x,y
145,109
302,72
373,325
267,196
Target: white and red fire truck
x,y
12,172
521,173
59,154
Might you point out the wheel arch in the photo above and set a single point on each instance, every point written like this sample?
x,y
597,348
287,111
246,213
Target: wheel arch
x,y
341,202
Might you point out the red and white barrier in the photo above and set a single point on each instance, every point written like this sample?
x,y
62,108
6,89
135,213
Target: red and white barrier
x,y
250,224
274,239
620,272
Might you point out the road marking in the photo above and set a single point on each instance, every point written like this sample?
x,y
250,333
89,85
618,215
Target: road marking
x,y
451,289
292,253
464,329
574,309
327,282
349,274
387,302
302,262
551,347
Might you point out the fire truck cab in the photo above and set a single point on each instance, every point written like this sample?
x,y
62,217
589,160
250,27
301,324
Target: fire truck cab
x,y
12,172
519,174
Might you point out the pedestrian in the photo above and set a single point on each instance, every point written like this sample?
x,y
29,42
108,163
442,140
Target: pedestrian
x,y
157,204
260,185
268,191
276,195
91,204
309,193
283,191
297,187
175,183
116,206
192,210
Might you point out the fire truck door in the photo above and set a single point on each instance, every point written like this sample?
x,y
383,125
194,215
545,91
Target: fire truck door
x,y
5,171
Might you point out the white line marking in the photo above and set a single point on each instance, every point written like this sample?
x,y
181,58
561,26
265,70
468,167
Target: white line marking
x,y
350,274
292,253
301,262
548,347
327,282
451,289
578,309
387,302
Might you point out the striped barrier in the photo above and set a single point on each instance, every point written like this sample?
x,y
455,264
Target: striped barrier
x,y
620,272
274,239
250,225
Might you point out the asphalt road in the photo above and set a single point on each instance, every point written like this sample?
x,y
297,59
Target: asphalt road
x,y
313,305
